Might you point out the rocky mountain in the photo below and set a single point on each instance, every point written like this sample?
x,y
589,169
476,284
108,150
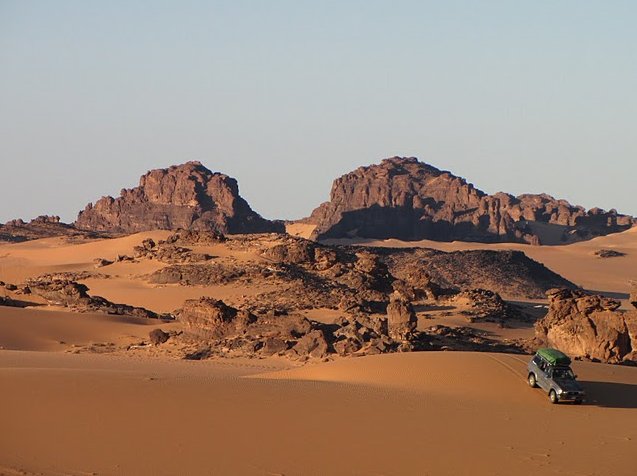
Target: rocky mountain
x,y
187,196
406,199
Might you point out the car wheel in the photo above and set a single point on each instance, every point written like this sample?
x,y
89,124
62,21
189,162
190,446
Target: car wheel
x,y
553,397
578,402
532,380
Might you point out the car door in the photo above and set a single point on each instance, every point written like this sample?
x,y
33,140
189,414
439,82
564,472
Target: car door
x,y
543,379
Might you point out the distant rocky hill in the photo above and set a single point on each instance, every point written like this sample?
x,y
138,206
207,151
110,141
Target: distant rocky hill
x,y
187,196
41,227
406,199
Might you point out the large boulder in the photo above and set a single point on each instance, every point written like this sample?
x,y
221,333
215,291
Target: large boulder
x,y
187,196
410,200
401,319
589,326
213,318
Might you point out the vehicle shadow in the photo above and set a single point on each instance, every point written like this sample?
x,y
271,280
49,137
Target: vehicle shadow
x,y
610,394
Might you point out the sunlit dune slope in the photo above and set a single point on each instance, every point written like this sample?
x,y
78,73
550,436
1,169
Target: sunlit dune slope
x,y
391,414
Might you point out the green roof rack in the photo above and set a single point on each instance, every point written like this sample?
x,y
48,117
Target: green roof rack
x,y
554,357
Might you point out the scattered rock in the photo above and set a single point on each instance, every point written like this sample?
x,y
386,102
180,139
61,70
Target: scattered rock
x,y
609,253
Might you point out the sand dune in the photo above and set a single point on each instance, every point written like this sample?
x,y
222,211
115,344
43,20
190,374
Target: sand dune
x,y
392,414
60,330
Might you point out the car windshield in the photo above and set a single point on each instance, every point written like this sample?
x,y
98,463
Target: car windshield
x,y
563,373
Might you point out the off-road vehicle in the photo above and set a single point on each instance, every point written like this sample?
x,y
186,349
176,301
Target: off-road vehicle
x,y
550,370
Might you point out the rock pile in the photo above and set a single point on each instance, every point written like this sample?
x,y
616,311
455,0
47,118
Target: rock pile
x,y
167,252
483,305
226,329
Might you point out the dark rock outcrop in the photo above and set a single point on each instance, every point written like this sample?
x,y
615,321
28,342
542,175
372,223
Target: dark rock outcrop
x,y
609,253
510,273
589,326
74,295
405,199
44,226
187,196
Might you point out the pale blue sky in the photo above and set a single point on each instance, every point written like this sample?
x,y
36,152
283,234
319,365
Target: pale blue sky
x,y
287,95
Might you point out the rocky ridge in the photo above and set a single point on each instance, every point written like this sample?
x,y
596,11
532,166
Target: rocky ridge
x,y
16,231
406,199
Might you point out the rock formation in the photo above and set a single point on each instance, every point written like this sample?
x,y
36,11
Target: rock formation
x,y
510,273
187,196
483,305
401,319
589,326
405,199
41,227
64,292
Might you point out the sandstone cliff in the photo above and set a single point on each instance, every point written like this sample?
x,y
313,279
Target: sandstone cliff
x,y
406,199
187,196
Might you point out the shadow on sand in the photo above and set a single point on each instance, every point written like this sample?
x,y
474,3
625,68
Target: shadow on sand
x,y
610,394
610,294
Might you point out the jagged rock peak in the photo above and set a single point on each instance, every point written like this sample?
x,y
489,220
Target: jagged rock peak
x,y
187,196
406,199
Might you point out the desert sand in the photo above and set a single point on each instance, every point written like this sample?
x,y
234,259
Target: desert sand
x,y
424,413
142,412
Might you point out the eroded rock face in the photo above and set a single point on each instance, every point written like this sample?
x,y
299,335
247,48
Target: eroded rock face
x,y
405,199
589,326
187,196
